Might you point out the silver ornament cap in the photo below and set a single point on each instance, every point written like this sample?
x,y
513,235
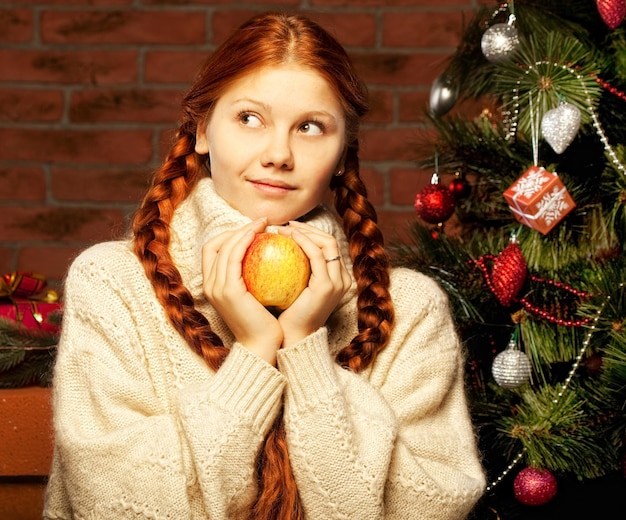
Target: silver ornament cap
x,y
511,368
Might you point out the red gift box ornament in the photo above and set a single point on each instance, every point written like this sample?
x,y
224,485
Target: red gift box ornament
x,y
539,199
23,299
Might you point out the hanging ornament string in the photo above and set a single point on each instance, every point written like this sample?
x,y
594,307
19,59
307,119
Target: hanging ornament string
x,y
514,113
534,128
563,388
502,8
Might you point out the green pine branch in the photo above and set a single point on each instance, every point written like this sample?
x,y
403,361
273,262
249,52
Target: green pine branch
x,y
26,355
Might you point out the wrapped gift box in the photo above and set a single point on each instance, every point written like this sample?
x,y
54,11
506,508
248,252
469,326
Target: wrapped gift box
x,y
24,300
31,314
539,199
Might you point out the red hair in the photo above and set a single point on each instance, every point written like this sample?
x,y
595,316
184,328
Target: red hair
x,y
269,39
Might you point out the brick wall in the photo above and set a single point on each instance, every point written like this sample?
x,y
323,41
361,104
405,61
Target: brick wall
x,y
89,93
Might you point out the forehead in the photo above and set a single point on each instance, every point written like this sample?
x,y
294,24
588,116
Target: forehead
x,y
279,84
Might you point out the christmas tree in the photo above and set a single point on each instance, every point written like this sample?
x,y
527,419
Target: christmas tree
x,y
524,225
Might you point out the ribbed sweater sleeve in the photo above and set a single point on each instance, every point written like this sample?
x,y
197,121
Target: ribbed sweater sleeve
x,y
124,446
395,442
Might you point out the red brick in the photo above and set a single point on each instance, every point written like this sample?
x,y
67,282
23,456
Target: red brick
x,y
6,259
30,105
16,25
173,66
423,29
59,225
388,144
405,183
275,4
350,29
22,183
135,105
395,224
124,27
166,139
224,22
71,66
390,3
88,3
398,69
413,106
51,261
101,185
381,107
76,146
375,184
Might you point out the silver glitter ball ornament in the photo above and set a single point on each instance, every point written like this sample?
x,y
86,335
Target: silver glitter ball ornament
x,y
499,41
511,368
560,125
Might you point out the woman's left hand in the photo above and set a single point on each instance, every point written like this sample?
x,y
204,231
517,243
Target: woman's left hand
x,y
329,281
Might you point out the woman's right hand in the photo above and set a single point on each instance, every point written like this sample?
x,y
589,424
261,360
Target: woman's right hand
x,y
252,324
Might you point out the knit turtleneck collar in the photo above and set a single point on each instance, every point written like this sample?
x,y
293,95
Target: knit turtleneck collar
x,y
204,214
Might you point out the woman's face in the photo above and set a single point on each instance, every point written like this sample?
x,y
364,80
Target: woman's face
x,y
275,139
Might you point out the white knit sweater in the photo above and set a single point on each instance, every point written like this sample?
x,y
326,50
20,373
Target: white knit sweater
x,y
144,429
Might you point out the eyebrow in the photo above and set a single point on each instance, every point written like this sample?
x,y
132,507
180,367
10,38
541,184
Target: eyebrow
x,y
308,113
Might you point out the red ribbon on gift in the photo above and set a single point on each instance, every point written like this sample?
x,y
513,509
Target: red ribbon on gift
x,y
19,286
26,285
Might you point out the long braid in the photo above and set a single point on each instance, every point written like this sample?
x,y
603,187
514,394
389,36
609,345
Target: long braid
x,y
179,173
370,266
278,493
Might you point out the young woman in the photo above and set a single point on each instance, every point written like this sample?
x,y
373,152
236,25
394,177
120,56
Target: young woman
x,y
177,395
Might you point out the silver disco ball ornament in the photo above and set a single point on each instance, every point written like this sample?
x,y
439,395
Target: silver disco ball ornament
x,y
511,368
499,41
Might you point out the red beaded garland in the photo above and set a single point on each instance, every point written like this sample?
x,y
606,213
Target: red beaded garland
x,y
607,86
508,276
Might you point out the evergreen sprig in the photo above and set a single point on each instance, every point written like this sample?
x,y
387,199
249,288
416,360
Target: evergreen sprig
x,y
26,355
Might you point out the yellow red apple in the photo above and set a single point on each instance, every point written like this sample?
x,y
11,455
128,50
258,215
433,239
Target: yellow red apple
x,y
275,270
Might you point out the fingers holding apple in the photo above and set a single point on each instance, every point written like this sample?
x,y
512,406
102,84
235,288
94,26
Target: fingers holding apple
x,y
322,250
251,324
221,256
329,281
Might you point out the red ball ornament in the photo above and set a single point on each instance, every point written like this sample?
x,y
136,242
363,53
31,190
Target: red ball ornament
x,y
459,188
534,487
612,12
434,203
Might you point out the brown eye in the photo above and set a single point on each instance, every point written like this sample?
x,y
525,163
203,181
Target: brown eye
x,y
249,119
312,128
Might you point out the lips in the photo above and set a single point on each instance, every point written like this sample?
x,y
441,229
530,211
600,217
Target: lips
x,y
272,184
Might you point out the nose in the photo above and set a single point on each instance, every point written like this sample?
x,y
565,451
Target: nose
x,y
277,151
